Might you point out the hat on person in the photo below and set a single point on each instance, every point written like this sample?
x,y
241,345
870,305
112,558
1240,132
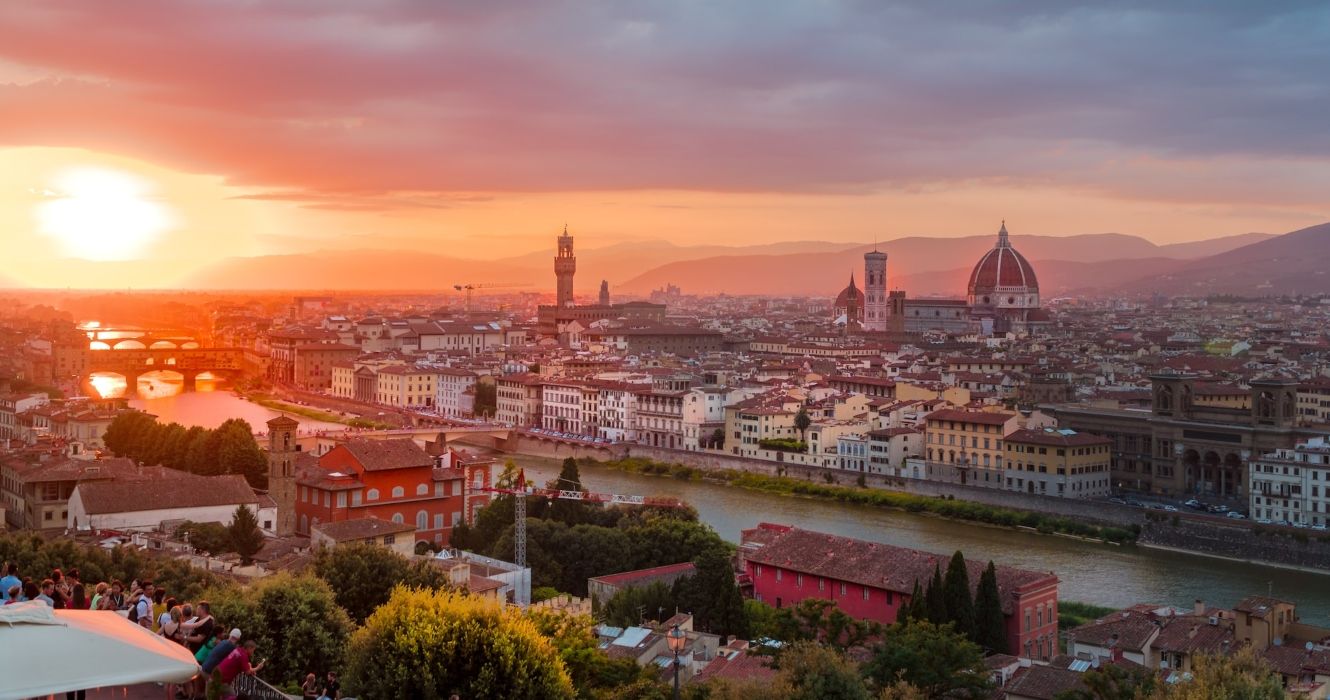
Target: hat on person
x,y
235,633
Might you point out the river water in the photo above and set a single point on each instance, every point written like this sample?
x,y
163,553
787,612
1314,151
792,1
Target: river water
x,y
1094,573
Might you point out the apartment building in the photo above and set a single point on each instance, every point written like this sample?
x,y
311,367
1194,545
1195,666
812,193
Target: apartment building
x,y
966,446
454,391
518,398
1292,485
406,386
1058,463
659,418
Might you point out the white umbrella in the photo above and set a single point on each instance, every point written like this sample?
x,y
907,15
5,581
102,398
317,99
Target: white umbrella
x,y
52,651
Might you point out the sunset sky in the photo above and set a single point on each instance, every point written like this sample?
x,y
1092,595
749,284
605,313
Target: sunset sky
x,y
153,136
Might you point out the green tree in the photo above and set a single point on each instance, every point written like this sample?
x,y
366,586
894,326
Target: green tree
x,y
213,538
634,605
569,511
801,421
936,599
238,453
1241,676
1113,682
713,597
918,603
816,672
590,668
990,628
717,439
934,659
245,535
812,619
956,593
295,620
431,644
486,403
362,576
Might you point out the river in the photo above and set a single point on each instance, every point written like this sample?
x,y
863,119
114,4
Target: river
x,y
1090,572
209,406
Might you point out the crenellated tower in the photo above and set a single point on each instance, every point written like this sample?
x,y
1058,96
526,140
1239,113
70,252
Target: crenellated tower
x,y
565,266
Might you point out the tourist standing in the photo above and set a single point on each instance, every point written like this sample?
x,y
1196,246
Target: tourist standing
x,y
10,580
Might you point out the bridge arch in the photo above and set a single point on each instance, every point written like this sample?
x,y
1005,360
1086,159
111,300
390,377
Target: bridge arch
x,y
109,385
163,345
129,344
99,345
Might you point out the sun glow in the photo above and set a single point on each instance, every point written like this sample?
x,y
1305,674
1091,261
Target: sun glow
x,y
102,214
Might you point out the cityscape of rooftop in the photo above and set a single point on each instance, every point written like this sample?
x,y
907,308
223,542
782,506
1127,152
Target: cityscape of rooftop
x,y
755,350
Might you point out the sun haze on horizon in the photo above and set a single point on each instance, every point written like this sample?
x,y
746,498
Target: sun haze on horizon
x,y
173,134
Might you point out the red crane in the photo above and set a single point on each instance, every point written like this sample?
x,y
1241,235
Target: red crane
x,y
521,491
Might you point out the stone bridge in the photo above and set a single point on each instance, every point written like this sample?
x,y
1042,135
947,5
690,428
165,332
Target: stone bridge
x,y
490,436
189,362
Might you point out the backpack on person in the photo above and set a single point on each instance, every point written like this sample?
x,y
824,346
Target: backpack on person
x,y
134,612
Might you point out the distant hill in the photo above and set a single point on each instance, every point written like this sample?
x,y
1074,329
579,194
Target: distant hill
x,y
828,272
360,270
620,261
1292,263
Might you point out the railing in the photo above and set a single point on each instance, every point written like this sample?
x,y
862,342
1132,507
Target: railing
x,y
256,688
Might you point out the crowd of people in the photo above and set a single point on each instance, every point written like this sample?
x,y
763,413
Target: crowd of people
x,y
222,656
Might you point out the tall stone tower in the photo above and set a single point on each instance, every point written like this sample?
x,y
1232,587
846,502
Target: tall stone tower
x,y
282,451
875,292
565,264
604,292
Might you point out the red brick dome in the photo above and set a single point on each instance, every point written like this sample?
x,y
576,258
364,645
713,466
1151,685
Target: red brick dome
x,y
1002,268
850,293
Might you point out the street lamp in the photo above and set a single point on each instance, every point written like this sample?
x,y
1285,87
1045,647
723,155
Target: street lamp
x,y
676,639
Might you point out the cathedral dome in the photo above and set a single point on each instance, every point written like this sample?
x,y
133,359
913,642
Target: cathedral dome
x,y
848,295
1003,277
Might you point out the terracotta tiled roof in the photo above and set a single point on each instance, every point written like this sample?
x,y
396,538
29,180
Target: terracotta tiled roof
x,y
385,455
1056,439
361,528
1044,683
643,577
877,565
1194,635
188,491
1134,630
980,417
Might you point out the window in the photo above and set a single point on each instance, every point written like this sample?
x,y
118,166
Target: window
x,y
355,497
778,575
372,495
327,499
799,580
438,521
389,539
422,490
397,518
422,520
438,488
341,499
865,592
398,492
842,588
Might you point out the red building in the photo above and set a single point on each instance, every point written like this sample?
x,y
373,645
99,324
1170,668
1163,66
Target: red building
x,y
870,580
394,480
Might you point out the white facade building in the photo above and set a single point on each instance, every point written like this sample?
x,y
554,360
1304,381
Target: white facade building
x,y
450,386
1293,485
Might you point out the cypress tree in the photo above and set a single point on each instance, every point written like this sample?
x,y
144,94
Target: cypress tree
x,y
960,606
906,610
935,598
990,628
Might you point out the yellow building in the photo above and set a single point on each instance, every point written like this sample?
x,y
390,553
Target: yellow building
x,y
406,387
1058,463
967,446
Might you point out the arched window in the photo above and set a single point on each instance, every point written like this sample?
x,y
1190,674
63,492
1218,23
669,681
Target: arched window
x,y
422,490
397,518
398,492
372,495
422,520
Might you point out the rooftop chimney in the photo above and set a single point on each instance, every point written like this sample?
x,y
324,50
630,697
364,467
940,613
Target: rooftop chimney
x,y
1199,607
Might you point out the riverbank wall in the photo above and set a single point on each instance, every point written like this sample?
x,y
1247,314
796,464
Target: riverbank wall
x,y
1238,542
1097,512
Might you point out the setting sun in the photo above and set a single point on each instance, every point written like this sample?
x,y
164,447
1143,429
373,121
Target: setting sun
x,y
101,214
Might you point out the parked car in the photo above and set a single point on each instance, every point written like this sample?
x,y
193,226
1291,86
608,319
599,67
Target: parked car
x,y
1319,528
1235,515
1171,509
1193,503
1134,502
1117,500
1264,521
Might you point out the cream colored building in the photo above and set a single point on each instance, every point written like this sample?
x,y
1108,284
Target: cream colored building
x,y
967,446
1058,463
407,387
399,537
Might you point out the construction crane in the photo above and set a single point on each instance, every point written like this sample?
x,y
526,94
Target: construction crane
x,y
521,491
468,288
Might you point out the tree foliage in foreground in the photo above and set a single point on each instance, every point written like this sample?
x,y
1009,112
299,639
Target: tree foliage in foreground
x,y
935,659
432,644
362,576
295,620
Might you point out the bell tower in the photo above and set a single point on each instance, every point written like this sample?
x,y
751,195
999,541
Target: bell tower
x,y
282,450
876,302
565,265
